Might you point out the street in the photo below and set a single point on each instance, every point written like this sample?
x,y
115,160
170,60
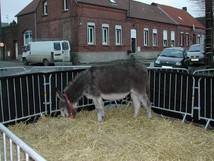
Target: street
x,y
19,64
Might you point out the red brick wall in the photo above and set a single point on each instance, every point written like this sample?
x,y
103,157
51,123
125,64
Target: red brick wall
x,y
72,25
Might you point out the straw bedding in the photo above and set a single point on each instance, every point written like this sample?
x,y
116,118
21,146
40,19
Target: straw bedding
x,y
119,137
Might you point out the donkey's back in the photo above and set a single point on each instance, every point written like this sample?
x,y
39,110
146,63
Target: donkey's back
x,y
119,78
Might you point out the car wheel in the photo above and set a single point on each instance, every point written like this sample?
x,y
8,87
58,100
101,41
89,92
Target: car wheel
x,y
25,62
46,62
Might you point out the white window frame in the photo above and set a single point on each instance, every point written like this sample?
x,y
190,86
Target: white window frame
x,y
165,38
187,39
45,8
105,34
118,35
198,41
154,37
65,5
172,38
27,37
146,36
91,36
181,38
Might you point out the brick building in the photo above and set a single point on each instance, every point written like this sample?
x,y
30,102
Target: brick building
x,y
105,30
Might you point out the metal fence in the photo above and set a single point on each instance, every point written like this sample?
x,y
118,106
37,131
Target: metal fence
x,y
12,71
33,94
13,148
204,87
171,90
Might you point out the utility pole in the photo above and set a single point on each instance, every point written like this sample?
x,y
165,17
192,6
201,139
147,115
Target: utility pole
x,y
1,34
209,33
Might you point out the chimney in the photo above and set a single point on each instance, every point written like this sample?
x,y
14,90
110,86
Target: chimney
x,y
184,8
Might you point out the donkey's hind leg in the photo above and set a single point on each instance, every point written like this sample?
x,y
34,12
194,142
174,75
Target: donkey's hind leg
x,y
100,108
136,102
146,103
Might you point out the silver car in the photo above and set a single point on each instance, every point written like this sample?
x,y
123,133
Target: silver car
x,y
196,54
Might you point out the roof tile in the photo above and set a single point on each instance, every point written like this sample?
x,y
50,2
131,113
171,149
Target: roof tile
x,y
180,16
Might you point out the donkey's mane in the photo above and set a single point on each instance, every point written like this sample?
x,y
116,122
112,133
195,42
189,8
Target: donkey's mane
x,y
75,88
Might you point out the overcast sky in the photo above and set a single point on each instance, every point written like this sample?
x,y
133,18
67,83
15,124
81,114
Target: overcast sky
x,y
9,8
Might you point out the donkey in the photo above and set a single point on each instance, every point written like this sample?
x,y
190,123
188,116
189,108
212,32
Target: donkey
x,y
110,82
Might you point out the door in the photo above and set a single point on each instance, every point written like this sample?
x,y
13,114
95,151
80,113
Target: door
x,y
16,50
66,51
133,40
57,51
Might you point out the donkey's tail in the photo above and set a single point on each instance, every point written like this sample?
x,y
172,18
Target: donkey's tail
x,y
148,89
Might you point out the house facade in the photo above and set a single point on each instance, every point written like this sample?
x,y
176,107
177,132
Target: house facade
x,y
106,30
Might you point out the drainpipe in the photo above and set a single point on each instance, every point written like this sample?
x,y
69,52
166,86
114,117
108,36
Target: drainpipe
x,y
35,25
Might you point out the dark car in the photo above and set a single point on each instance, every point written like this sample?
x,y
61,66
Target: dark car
x,y
196,54
172,57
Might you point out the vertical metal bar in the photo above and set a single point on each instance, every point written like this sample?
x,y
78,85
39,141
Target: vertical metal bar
x,y
15,100
8,99
33,86
18,153
21,96
181,92
175,104
28,96
205,97
39,93
4,147
159,84
199,99
11,149
26,157
2,107
211,100
193,97
45,92
154,85
56,100
164,93
170,89
187,93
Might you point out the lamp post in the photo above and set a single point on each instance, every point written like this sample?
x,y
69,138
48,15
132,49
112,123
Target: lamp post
x,y
209,33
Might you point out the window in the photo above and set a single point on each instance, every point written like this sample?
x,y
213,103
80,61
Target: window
x,y
165,38
27,37
65,46
187,39
105,34
45,8
181,39
112,1
198,39
91,33
146,37
155,37
172,38
118,35
65,5
57,46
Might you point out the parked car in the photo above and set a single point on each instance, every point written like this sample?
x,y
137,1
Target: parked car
x,y
46,52
172,57
196,54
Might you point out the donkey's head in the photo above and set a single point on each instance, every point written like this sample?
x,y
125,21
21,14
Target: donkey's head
x,y
65,106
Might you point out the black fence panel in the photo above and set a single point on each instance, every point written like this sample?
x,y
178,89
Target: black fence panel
x,y
21,96
171,91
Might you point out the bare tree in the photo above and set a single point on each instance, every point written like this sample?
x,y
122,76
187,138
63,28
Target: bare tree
x,y
200,4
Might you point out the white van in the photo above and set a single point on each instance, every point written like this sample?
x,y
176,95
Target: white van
x,y
46,52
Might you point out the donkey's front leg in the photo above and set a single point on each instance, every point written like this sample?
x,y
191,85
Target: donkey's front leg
x,y
100,108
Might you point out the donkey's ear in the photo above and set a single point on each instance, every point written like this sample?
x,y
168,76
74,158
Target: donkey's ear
x,y
60,95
